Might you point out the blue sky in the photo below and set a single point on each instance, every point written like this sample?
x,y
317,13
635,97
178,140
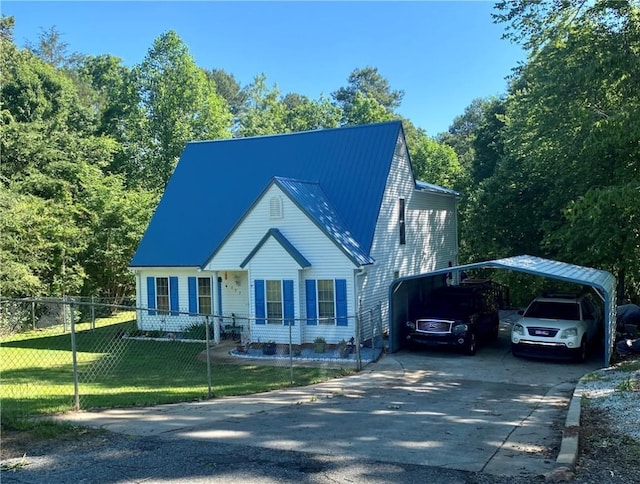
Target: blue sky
x,y
441,54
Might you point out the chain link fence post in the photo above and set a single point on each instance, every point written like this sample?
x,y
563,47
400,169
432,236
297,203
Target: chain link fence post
x,y
74,359
208,350
290,353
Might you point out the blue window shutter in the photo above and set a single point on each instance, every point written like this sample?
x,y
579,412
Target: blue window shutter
x,y
312,315
173,293
287,295
260,301
151,295
341,302
193,295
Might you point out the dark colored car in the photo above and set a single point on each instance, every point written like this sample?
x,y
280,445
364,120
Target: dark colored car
x,y
458,316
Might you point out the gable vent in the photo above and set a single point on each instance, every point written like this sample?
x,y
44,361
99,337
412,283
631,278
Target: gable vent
x,y
275,207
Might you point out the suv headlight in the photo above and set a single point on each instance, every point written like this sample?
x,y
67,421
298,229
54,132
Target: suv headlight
x,y
518,329
411,325
460,328
569,333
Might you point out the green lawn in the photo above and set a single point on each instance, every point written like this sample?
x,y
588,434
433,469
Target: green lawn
x,y
37,372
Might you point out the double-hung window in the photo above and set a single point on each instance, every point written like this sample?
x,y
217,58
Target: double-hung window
x,y
274,302
162,295
326,302
204,295
401,221
200,295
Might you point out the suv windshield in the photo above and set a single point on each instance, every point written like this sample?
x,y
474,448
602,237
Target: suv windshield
x,y
553,310
452,300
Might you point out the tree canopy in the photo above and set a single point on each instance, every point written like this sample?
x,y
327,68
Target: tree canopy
x,y
561,174
550,168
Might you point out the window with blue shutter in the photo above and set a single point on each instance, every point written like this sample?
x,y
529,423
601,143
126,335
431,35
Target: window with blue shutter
x,y
287,296
151,295
341,302
193,296
173,293
312,314
260,301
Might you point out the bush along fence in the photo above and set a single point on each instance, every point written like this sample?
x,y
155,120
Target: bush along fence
x,y
69,354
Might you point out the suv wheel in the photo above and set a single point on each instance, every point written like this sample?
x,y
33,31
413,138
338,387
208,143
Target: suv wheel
x,y
515,351
581,353
471,346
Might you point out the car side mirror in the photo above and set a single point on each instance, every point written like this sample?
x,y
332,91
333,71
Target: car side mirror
x,y
521,312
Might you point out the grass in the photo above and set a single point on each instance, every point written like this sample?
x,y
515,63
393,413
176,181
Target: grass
x,y
37,371
630,365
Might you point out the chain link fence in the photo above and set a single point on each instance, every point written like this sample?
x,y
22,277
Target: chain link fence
x,y
68,353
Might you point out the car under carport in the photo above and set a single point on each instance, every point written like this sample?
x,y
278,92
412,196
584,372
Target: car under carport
x,y
404,291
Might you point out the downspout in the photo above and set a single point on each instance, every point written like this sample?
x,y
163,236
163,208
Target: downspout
x,y
361,271
457,254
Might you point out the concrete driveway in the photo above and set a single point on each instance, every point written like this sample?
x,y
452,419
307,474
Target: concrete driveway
x,y
487,413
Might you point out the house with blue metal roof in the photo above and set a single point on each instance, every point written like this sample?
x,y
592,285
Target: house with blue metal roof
x,y
291,236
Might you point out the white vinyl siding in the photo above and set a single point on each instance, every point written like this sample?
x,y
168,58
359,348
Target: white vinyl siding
x,y
430,235
304,234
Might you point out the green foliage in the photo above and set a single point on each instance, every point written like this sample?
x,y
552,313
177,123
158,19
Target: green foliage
x,y
367,97
195,331
555,165
549,169
435,162
177,103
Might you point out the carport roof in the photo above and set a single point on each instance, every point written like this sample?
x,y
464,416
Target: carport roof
x,y
602,280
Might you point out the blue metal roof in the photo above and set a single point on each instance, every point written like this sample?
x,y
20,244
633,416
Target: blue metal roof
x,y
430,187
216,182
311,199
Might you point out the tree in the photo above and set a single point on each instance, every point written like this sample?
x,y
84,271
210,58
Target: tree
x,y
52,49
304,114
569,137
57,204
265,112
367,97
177,104
228,88
587,234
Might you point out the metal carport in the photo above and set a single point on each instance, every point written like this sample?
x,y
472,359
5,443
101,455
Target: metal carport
x,y
403,290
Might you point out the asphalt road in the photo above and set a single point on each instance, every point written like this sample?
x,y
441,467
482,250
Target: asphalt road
x,y
411,417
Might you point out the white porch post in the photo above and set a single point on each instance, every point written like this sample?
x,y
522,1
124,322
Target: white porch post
x,y
216,309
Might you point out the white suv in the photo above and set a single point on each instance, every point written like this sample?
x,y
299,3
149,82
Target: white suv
x,y
557,325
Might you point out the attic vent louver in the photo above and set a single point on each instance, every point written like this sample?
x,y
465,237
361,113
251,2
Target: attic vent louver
x,y
275,207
